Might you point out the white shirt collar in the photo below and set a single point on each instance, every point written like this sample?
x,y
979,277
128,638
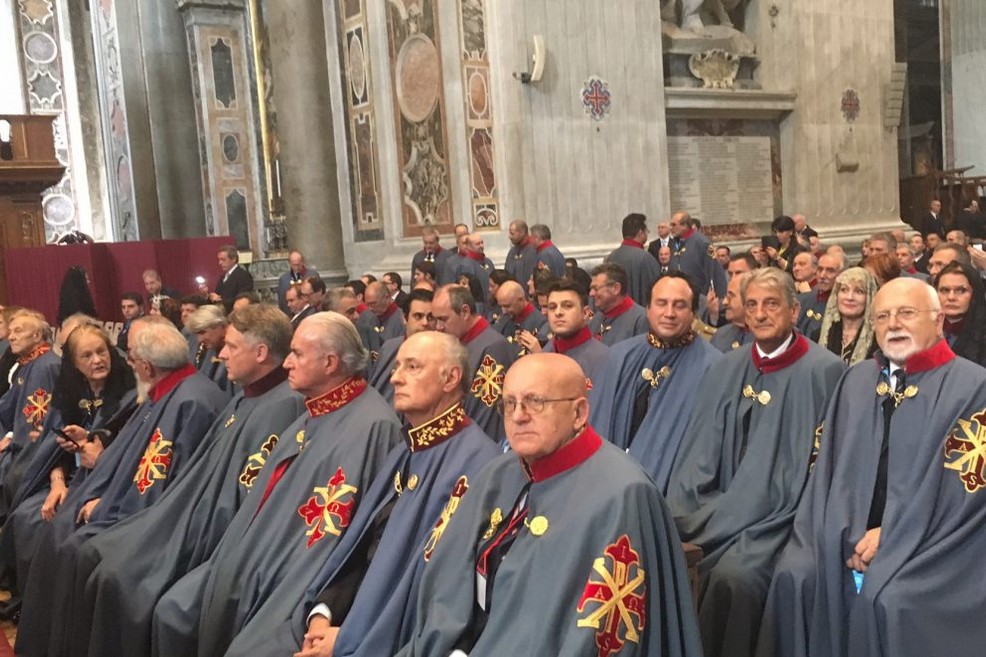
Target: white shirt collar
x,y
776,352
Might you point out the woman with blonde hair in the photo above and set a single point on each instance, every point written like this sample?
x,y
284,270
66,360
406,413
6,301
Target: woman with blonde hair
x,y
845,331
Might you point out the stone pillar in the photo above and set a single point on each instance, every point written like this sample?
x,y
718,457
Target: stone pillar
x,y
963,63
307,160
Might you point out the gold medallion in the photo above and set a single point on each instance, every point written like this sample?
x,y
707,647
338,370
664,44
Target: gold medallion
x,y
910,391
495,519
538,526
882,388
230,421
735,344
412,482
763,397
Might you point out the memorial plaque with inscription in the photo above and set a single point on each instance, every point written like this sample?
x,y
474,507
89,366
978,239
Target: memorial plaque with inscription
x,y
722,179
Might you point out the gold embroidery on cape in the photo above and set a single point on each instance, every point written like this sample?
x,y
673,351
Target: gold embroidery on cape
x,y
155,462
438,429
495,519
681,341
257,460
330,509
36,408
622,596
488,384
967,442
336,398
458,490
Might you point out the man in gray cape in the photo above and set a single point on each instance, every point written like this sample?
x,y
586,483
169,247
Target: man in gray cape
x,y
132,564
616,316
303,500
692,254
561,547
522,256
735,334
737,480
813,302
382,321
643,397
418,319
567,305
885,558
640,266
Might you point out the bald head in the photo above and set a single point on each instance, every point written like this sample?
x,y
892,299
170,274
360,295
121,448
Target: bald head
x,y
511,298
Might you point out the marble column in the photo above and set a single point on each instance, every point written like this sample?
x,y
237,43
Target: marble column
x,y
965,95
307,160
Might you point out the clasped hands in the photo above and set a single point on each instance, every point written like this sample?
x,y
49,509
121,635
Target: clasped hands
x,y
864,551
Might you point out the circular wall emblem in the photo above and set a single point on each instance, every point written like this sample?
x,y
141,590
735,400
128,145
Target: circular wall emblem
x,y
40,48
59,210
418,75
357,66
850,105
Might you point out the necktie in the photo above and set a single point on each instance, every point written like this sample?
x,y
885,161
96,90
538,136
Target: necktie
x,y
880,488
640,403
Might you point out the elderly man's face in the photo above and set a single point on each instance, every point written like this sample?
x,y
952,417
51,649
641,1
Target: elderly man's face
x,y
378,300
722,255
670,312
348,307
826,273
936,206
152,284
241,357
307,364
390,284
419,318
604,293
420,378
212,337
677,226
296,262
664,256
663,229
918,330
734,302
939,259
293,300
542,411
803,270
24,336
905,258
448,319
512,301
769,315
225,262
799,222
566,316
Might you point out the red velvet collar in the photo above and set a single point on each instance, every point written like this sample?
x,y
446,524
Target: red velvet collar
x,y
565,458
929,359
564,344
911,270
797,349
336,398
37,352
687,234
823,295
390,311
812,283
526,243
524,314
266,383
478,257
543,245
631,242
619,308
437,430
169,382
362,308
477,328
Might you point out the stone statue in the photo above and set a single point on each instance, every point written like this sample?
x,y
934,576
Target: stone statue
x,y
696,14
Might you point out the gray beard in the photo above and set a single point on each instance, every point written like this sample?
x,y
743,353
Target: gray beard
x,y
143,387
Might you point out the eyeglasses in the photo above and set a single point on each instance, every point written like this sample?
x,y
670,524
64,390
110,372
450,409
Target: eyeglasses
x,y
958,290
905,314
595,288
531,404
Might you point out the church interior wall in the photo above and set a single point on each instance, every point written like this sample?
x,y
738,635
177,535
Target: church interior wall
x,y
967,27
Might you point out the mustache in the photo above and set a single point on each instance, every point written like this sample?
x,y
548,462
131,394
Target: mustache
x,y
897,334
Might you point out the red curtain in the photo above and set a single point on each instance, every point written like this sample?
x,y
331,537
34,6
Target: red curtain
x,y
34,275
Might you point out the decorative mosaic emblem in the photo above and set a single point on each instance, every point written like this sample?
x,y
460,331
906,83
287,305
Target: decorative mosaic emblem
x,y
487,386
155,462
621,594
330,509
967,442
850,105
460,488
596,98
256,461
36,408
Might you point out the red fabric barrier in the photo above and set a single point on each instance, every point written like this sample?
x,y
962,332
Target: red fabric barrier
x,y
34,275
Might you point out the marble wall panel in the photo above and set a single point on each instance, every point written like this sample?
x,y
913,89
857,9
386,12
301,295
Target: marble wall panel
x,y
220,51
478,116
965,131
419,110
359,119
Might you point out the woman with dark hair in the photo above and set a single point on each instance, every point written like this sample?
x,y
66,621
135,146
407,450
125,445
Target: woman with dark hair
x,y
781,254
74,296
961,292
94,396
845,329
883,266
170,309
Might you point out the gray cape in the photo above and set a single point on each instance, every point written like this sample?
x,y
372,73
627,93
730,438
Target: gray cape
x,y
520,263
589,353
922,593
622,323
693,256
641,268
738,477
490,356
812,310
730,338
381,370
290,526
596,525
